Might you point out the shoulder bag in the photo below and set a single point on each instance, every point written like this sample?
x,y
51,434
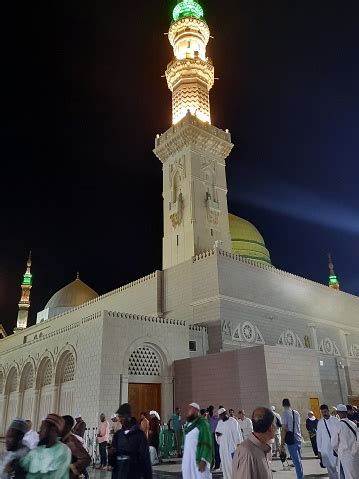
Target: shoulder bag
x,y
289,436
330,436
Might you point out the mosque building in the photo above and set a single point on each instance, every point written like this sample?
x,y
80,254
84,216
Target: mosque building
x,y
218,324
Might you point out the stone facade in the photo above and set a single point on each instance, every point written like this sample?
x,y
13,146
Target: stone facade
x,y
254,319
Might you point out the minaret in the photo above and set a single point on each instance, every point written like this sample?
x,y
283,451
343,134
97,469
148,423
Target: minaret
x,y
192,151
333,280
24,303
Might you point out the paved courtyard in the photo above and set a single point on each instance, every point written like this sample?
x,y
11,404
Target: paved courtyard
x,y
172,469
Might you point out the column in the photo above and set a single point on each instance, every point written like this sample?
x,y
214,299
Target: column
x,y
313,336
344,343
167,398
4,414
55,399
124,389
19,400
35,408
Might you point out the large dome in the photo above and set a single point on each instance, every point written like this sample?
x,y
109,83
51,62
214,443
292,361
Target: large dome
x,y
72,295
247,240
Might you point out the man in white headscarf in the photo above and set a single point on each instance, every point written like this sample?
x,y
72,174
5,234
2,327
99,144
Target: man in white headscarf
x,y
325,430
344,442
229,436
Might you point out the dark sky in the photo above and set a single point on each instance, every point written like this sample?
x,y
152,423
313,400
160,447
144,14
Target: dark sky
x,y
82,99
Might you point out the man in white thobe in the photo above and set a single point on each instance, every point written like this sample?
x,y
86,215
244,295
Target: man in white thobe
x,y
198,446
325,429
344,443
245,424
228,436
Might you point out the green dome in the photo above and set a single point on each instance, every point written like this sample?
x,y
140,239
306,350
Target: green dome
x,y
247,240
187,8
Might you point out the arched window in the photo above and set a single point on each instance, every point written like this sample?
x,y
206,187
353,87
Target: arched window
x,y
26,389
12,397
44,382
65,375
145,361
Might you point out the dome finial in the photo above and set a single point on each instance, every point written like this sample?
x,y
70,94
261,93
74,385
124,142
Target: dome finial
x,y
78,275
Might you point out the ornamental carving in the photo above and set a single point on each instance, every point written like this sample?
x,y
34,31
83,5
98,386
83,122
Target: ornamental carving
x,y
354,351
327,346
212,217
248,333
177,211
290,339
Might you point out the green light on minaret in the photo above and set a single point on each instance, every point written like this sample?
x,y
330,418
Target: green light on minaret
x,y
187,8
27,278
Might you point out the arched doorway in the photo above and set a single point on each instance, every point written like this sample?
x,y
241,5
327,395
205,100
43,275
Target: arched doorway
x,y
145,371
65,375
27,391
45,389
12,395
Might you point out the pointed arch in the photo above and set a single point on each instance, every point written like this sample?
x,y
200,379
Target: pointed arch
x,y
11,392
44,386
65,380
26,389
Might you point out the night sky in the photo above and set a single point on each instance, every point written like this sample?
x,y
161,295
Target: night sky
x,y
83,98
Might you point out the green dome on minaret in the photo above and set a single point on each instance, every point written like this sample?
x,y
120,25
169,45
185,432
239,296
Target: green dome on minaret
x,y
187,8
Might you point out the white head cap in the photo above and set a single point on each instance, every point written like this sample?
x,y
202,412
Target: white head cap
x,y
342,408
273,408
77,415
155,413
113,416
195,406
221,411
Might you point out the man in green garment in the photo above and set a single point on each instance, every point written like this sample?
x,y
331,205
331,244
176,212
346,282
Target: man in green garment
x,y
198,446
51,459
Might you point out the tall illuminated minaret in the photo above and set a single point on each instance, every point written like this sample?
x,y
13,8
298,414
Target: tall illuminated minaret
x,y
24,304
333,280
192,151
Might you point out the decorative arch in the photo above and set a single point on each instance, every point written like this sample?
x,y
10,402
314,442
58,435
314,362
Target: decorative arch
x,y
148,367
44,385
327,346
65,354
44,374
248,333
354,351
11,380
65,380
2,401
145,361
26,388
11,388
2,381
27,378
290,339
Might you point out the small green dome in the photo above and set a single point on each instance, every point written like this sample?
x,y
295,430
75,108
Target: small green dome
x,y
247,240
187,8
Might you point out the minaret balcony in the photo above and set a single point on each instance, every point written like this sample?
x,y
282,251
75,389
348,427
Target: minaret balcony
x,y
189,70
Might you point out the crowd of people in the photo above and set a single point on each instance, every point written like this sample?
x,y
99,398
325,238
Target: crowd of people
x,y
207,440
